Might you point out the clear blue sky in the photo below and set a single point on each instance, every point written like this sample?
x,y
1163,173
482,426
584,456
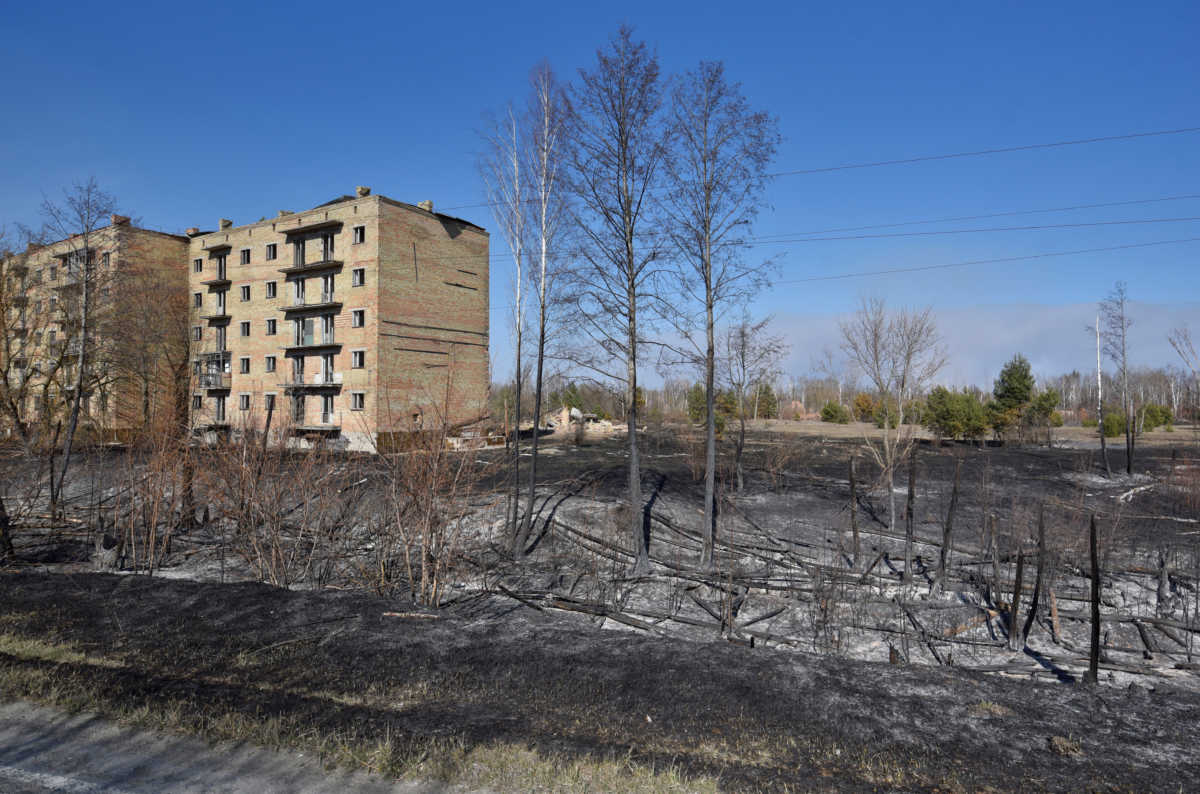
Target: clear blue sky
x,y
190,113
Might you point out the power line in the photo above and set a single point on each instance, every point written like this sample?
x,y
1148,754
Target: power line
x,y
968,263
982,217
972,231
952,156
982,152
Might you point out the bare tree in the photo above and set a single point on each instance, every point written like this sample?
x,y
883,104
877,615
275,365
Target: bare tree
x,y
84,210
616,161
751,356
545,143
716,170
898,353
503,175
1115,324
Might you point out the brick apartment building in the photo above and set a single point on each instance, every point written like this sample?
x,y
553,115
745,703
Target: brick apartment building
x,y
348,323
136,300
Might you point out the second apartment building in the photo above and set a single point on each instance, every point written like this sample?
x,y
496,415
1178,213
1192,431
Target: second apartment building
x,y
349,323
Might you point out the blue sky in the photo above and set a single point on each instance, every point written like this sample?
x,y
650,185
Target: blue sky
x,y
215,110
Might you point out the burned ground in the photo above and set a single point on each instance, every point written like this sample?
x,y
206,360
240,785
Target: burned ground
x,y
487,670
790,664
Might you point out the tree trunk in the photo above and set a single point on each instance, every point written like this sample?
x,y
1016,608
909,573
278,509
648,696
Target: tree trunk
x,y
909,518
710,439
1015,642
1041,573
944,554
7,552
527,527
638,523
1093,673
854,512
56,489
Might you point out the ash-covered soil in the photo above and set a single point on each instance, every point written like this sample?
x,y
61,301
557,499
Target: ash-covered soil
x,y
490,669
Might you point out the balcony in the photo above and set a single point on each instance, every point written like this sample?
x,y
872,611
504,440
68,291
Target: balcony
x,y
312,267
219,281
308,227
320,381
70,348
326,302
312,344
219,316
215,381
325,423
19,299
16,265
211,246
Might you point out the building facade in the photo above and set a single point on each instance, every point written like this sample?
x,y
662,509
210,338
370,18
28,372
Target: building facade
x,y
135,340
348,324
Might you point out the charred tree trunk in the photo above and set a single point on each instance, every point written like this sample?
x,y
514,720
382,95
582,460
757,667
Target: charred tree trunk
x,y
1041,573
7,552
908,515
1093,673
854,512
944,553
1015,641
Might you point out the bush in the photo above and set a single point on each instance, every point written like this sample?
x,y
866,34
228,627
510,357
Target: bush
x,y
1056,419
1088,421
951,414
833,412
864,407
1114,425
1154,415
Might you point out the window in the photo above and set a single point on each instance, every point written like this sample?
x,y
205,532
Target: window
x,y
327,329
270,364
358,318
196,332
53,336
327,288
269,402
358,277
198,299
245,256
219,408
358,359
197,265
104,260
326,246
197,402
271,327
53,273
53,303
244,365
244,402
245,328
360,234
358,400
272,251
196,367
245,293
272,290
298,253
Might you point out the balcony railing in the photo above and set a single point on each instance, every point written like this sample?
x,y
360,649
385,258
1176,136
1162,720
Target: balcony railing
x,y
214,381
310,267
221,279
327,300
313,342
324,422
318,381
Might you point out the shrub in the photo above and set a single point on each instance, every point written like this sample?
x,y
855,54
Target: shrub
x,y
1056,419
1114,425
1154,415
864,407
951,414
1088,421
833,412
